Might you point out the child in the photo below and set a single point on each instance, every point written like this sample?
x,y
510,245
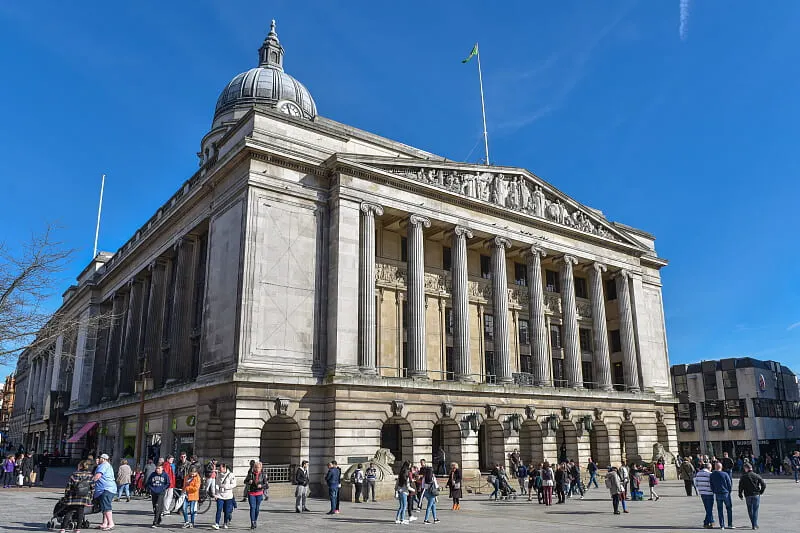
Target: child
x,y
652,481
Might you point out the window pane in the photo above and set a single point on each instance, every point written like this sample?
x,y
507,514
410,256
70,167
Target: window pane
x,y
580,288
551,281
486,267
403,249
488,327
520,274
555,337
586,340
524,333
449,317
616,341
588,374
447,258
611,290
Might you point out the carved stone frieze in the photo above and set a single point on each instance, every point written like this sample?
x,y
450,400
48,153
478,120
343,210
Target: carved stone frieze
x,y
552,303
627,414
438,282
518,295
584,309
389,274
480,289
530,412
511,191
281,406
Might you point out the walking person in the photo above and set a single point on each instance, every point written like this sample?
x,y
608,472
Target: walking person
x,y
157,485
9,466
624,474
26,466
660,468
561,482
702,483
224,483
454,484
105,488
402,489
796,466
301,480
494,479
332,480
727,464
191,488
721,485
246,477
124,480
78,496
687,472
522,477
372,478
257,486
44,464
751,487
591,467
652,481
431,492
357,478
615,489
547,483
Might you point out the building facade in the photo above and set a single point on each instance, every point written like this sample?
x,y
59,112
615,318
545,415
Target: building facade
x,y
741,406
6,407
317,291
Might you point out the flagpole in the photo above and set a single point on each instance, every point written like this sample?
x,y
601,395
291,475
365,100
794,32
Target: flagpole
x,y
99,210
483,106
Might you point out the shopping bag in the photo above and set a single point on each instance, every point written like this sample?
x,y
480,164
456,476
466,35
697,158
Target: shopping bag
x,y
20,480
33,477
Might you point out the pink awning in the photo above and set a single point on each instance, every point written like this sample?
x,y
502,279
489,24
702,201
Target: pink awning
x,y
81,432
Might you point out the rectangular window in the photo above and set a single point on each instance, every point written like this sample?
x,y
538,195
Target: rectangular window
x,y
588,374
551,282
526,363
616,341
586,340
447,258
488,361
681,384
686,414
520,274
524,332
488,328
618,375
406,363
580,288
486,267
730,384
403,249
404,313
448,316
611,290
710,385
555,336
449,364
558,373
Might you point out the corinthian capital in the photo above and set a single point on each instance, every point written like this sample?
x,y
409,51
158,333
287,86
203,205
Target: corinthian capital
x,y
419,220
462,231
501,242
371,209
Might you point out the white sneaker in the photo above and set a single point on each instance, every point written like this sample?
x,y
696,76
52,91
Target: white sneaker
x,y
215,526
404,522
411,519
225,526
398,521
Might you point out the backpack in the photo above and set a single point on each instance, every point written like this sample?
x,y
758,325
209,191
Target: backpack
x,y
82,489
547,475
653,479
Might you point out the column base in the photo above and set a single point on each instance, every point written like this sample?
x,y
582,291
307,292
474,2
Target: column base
x,y
368,370
465,379
419,375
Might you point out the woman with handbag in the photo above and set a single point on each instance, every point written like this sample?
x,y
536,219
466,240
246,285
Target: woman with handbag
x,y
431,492
401,492
454,484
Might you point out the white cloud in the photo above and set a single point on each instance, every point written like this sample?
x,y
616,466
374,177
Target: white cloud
x,y
683,29
792,326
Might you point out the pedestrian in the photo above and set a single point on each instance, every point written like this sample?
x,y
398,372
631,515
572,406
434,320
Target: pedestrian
x,y
454,484
124,480
660,468
77,496
727,464
372,478
257,486
494,480
27,469
402,488
191,488
687,472
339,492
751,487
702,483
547,483
415,488
615,489
431,492
721,485
652,481
357,478
560,483
441,461
181,470
591,467
624,476
301,480
8,471
44,464
224,483
575,479
332,479
796,466
157,484
522,477
105,489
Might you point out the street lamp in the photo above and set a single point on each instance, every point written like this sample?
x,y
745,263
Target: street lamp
x,y
58,407
142,385
28,438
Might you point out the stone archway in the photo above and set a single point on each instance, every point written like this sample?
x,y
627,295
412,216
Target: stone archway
x,y
599,444
447,435
280,441
662,435
567,441
396,435
629,443
491,445
531,442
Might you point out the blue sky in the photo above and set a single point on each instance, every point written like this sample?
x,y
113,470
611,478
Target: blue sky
x,y
687,132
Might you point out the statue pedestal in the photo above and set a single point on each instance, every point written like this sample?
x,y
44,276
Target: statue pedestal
x,y
384,490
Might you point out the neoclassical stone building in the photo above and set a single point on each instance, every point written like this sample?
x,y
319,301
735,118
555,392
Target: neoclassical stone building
x,y
317,291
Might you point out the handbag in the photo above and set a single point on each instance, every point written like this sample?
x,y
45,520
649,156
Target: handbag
x,y
33,477
20,480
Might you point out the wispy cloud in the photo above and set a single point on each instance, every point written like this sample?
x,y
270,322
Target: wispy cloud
x,y
793,326
683,28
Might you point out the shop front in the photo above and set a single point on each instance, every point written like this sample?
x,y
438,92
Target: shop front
x,y
183,429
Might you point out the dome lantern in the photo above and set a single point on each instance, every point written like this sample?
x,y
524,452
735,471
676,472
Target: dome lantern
x,y
271,52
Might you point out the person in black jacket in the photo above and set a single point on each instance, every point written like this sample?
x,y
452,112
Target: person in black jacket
x,y
44,464
301,491
751,487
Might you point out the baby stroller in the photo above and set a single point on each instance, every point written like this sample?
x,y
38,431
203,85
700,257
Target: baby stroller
x,y
61,509
138,484
507,492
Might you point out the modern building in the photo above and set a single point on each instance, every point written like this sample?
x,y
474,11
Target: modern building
x,y
741,406
317,291
6,406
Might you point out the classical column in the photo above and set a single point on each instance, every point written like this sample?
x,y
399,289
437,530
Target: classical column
x,y
573,372
502,356
602,361
538,323
367,357
153,306
460,303
416,296
626,332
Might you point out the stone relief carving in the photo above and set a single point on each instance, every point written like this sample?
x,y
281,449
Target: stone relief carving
x,y
566,413
627,414
391,274
598,414
584,309
397,407
437,282
491,410
530,412
516,192
553,303
481,289
518,295
281,406
447,409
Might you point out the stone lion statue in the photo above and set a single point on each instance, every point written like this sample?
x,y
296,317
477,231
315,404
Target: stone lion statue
x,y
383,460
659,452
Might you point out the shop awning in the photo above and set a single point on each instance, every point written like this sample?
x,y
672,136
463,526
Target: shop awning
x,y
81,432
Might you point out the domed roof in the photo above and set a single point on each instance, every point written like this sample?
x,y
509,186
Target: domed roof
x,y
267,85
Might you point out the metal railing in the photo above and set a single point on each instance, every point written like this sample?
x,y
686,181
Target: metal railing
x,y
279,473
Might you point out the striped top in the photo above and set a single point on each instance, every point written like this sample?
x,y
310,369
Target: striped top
x,y
702,481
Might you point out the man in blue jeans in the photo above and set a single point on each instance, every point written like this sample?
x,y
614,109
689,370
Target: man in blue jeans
x,y
751,487
796,466
592,468
702,483
721,485
333,479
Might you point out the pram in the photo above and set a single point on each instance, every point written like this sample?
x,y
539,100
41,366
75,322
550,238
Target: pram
x,y
61,509
507,492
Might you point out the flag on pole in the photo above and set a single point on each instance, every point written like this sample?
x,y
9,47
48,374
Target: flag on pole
x,y
472,54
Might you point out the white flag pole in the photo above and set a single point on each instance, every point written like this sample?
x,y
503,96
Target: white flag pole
x,y
99,210
483,106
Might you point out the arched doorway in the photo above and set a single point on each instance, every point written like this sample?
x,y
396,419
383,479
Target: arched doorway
x,y
567,441
531,442
629,443
598,444
662,435
280,441
446,436
491,447
397,437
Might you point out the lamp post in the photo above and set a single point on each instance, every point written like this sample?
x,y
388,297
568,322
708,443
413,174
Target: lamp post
x,y
28,439
58,407
143,384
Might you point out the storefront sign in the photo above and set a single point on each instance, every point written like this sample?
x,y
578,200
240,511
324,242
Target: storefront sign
x,y
742,442
191,420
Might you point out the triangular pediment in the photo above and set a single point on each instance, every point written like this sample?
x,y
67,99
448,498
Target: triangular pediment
x,y
510,188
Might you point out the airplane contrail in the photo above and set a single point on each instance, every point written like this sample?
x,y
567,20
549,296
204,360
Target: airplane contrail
x,y
683,29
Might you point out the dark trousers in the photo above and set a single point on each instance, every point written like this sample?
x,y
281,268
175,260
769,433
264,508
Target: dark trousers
x,y
708,504
726,501
158,506
42,472
752,508
8,479
359,491
615,502
560,492
76,511
687,484
226,507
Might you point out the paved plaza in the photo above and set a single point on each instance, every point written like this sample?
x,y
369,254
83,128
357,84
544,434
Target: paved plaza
x,y
29,510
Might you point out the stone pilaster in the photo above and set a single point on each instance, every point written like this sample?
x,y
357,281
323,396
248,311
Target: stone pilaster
x,y
416,296
367,356
626,332
602,361
573,371
538,323
460,303
502,353
179,345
